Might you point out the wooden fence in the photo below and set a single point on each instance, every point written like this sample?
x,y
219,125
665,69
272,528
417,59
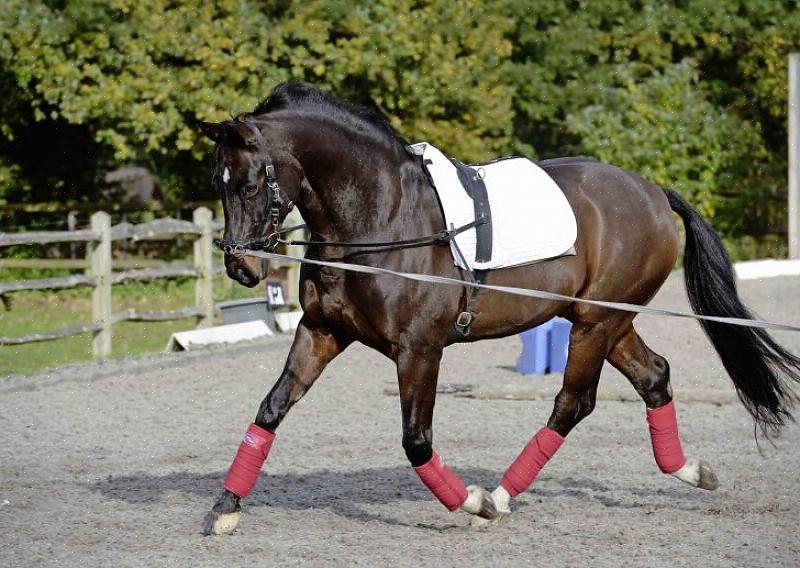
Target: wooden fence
x,y
100,276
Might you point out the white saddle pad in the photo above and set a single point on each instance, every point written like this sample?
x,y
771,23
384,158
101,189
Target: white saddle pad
x,y
531,218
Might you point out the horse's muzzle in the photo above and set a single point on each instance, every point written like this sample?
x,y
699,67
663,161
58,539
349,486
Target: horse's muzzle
x,y
246,270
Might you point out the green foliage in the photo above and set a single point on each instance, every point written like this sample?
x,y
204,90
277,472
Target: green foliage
x,y
435,68
664,128
691,94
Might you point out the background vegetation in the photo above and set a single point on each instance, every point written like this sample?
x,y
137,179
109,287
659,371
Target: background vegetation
x,y
691,93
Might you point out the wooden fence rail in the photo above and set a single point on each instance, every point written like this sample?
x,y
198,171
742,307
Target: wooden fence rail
x,y
101,277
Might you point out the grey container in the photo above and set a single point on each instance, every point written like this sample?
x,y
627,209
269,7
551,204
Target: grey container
x,y
252,309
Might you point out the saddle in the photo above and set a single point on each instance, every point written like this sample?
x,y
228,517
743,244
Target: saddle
x,y
522,215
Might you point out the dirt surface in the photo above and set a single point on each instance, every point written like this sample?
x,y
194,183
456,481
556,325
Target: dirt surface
x,y
116,464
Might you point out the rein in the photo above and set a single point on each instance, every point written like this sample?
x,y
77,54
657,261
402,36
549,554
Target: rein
x,y
265,248
269,243
272,214
528,292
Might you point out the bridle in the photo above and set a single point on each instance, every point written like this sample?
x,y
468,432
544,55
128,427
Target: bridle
x,y
270,221
272,208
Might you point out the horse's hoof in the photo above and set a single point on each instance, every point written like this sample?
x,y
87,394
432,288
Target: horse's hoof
x,y
708,479
698,473
482,523
479,502
221,523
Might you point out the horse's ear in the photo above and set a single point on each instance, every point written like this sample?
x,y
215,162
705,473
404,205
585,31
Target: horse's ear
x,y
213,130
244,134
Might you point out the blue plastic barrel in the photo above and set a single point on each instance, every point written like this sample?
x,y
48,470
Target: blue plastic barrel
x,y
544,348
559,344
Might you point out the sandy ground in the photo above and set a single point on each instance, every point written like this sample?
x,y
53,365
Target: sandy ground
x,y
116,464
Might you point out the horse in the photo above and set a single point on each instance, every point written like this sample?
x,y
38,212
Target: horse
x,y
355,181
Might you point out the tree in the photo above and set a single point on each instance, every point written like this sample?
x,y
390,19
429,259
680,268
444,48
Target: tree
x,y
666,129
138,74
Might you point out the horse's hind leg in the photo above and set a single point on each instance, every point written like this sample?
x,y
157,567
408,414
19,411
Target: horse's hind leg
x,y
589,344
312,350
648,372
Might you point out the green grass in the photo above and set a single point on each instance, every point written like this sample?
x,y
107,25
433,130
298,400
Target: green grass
x,y
32,312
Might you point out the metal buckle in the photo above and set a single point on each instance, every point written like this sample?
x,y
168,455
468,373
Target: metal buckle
x,y
271,242
464,320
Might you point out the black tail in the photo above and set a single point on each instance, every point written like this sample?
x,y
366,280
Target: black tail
x,y
762,371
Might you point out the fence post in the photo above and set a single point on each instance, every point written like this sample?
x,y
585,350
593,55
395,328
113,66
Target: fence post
x,y
100,266
794,155
293,273
204,285
227,283
72,223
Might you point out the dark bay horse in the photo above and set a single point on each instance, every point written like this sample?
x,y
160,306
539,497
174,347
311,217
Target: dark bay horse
x,y
354,179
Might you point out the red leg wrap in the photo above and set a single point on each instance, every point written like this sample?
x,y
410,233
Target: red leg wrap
x,y
667,449
442,482
526,467
246,466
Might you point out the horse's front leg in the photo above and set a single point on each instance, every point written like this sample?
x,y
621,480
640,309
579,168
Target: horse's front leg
x,y
418,372
313,348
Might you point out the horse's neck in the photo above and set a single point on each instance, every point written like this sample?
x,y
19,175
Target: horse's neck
x,y
362,191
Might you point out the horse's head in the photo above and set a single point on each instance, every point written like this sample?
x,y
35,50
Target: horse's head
x,y
251,199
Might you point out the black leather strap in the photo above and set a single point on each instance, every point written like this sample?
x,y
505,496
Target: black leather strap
x,y
476,189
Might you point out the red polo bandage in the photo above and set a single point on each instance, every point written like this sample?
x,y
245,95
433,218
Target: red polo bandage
x,y
529,463
246,466
667,449
442,482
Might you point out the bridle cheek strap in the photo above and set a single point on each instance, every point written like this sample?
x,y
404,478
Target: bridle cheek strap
x,y
272,208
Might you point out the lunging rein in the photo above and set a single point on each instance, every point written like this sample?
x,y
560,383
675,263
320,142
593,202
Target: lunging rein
x,y
265,248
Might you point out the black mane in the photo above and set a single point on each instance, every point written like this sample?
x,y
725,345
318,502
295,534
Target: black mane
x,y
309,99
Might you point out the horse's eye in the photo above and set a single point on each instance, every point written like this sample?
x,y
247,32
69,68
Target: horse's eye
x,y
251,189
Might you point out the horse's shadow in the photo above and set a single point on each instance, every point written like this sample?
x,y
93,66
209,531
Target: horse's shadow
x,y
350,494
353,494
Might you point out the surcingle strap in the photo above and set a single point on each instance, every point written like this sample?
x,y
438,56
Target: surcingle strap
x,y
472,180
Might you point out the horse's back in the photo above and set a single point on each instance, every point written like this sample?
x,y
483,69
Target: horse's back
x,y
590,176
612,191
626,229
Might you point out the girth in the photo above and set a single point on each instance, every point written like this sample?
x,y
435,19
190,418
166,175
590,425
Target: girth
x,y
471,179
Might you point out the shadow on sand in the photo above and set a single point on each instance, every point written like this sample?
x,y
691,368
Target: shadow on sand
x,y
354,494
